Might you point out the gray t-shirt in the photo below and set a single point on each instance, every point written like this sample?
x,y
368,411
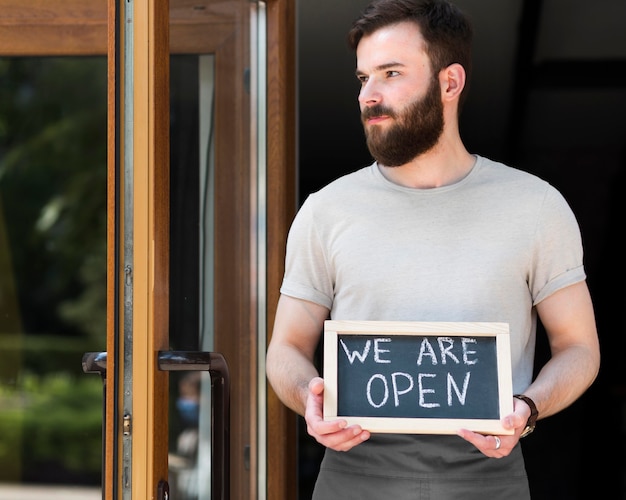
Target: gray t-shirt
x,y
487,248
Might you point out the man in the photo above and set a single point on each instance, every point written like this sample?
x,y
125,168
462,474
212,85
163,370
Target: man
x,y
430,232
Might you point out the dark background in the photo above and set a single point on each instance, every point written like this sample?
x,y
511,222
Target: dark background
x,y
548,96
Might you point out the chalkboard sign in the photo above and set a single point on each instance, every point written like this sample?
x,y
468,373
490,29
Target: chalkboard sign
x,y
418,377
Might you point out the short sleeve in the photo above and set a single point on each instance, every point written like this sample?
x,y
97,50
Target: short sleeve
x,y
558,255
307,275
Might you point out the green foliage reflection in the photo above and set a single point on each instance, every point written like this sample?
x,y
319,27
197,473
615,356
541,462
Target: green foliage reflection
x,y
53,190
53,216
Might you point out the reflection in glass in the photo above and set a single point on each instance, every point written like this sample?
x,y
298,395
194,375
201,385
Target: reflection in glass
x,y
52,269
191,264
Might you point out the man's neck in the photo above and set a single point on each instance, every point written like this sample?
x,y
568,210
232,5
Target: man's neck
x,y
441,166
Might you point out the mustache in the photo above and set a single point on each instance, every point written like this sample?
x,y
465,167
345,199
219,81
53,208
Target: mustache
x,y
377,110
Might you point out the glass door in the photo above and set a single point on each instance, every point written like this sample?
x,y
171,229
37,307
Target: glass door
x,y
53,102
52,274
133,228
186,136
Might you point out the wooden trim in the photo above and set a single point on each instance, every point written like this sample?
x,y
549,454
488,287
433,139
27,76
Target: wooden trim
x,y
281,207
478,361
150,245
79,27
234,306
51,27
159,58
110,418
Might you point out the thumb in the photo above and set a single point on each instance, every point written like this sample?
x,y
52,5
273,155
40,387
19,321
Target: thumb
x,y
316,385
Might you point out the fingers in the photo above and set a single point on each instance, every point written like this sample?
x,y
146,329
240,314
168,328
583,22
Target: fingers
x,y
316,385
489,445
337,436
334,434
516,421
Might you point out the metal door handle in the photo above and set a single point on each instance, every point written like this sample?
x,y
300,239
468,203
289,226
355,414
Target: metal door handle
x,y
96,362
215,364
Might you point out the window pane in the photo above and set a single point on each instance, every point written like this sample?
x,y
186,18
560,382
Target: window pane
x,y
52,274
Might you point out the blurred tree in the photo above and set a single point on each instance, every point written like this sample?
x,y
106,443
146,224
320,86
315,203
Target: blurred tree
x,y
53,190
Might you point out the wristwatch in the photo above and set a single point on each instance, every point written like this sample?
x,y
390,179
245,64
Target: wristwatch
x,y
530,423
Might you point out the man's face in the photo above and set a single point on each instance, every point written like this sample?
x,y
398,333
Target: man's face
x,y
416,128
400,98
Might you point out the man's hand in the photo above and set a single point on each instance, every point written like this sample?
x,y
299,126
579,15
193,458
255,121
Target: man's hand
x,y
501,445
333,434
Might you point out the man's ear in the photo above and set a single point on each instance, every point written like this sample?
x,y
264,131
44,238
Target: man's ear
x,y
452,80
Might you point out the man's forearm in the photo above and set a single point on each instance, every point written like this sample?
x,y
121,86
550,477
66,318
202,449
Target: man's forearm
x,y
289,373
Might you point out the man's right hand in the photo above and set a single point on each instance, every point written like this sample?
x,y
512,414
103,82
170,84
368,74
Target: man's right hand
x,y
334,434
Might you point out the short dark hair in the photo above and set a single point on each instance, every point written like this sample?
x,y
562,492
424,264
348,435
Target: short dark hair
x,y
447,30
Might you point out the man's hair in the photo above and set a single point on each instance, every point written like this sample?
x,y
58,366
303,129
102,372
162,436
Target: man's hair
x,y
447,31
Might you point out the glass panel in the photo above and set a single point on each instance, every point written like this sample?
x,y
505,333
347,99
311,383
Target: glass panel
x,y
200,84
190,449
52,275
191,264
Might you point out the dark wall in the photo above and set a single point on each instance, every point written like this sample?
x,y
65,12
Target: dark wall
x,y
331,140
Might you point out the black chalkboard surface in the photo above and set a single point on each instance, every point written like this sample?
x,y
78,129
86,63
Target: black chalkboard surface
x,y
418,377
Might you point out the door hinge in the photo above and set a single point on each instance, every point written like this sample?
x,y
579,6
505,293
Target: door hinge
x,y
126,426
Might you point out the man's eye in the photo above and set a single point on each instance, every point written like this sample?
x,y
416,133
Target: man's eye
x,y
362,78
392,73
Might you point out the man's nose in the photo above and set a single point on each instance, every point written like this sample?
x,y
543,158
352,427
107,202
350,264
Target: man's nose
x,y
369,94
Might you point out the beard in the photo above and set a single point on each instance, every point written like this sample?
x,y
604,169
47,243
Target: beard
x,y
417,129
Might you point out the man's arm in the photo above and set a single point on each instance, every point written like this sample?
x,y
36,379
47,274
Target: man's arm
x,y
292,374
297,329
569,320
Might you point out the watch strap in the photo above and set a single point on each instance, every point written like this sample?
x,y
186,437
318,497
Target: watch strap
x,y
534,413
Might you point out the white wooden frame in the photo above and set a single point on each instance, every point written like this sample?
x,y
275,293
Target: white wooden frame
x,y
333,329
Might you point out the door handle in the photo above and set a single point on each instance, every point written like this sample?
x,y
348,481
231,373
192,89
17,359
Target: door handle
x,y
96,362
215,364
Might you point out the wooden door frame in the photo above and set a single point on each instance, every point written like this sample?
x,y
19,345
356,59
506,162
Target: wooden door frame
x,y
143,279
282,470
87,27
